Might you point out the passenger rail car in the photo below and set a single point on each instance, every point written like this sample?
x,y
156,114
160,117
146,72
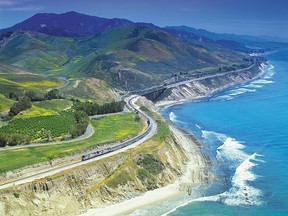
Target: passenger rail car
x,y
123,144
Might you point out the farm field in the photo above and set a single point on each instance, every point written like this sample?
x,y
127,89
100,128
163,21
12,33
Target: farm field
x,y
107,129
40,127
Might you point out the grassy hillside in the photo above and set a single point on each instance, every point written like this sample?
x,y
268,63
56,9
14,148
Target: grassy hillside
x,y
45,108
21,82
89,89
128,57
5,103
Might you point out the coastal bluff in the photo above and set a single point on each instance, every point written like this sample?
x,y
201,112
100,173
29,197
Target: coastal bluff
x,y
205,87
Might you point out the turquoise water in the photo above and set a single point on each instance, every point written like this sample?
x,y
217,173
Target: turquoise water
x,y
245,132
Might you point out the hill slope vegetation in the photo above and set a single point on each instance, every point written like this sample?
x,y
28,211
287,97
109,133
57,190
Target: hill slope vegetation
x,y
126,57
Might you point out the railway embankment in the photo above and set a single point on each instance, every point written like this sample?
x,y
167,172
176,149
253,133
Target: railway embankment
x,y
154,164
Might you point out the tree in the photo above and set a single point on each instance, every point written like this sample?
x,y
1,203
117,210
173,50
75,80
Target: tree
x,y
82,121
95,109
23,104
34,96
3,139
53,94
81,116
13,96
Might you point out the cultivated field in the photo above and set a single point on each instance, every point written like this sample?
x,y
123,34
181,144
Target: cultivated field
x,y
108,129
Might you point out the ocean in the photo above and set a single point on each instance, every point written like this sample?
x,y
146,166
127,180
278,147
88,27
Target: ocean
x,y
244,130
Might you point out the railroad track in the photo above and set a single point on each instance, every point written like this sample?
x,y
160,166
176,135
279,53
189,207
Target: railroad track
x,y
150,131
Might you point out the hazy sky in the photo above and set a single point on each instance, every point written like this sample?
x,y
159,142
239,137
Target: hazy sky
x,y
254,17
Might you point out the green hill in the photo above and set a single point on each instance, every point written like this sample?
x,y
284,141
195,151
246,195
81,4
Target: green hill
x,y
128,57
33,51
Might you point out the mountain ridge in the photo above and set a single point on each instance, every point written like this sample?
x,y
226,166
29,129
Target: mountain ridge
x,y
70,24
124,54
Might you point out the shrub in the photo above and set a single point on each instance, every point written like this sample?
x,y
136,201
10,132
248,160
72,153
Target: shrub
x,y
17,195
142,174
137,118
150,164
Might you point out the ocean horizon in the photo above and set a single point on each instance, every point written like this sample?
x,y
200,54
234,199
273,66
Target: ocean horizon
x,y
244,131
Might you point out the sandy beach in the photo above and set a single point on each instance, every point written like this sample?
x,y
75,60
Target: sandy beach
x,y
193,176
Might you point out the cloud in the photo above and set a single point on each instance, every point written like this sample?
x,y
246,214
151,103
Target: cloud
x,y
23,8
19,5
6,3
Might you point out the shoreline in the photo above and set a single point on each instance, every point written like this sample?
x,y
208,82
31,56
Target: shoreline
x,y
196,165
192,177
165,104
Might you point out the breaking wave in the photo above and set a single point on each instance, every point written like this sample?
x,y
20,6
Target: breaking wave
x,y
250,87
172,116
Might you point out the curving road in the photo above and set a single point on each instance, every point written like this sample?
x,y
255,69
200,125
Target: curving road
x,y
131,102
67,82
178,83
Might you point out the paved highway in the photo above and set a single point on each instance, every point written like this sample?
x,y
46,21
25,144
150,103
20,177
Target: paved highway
x,y
208,76
175,84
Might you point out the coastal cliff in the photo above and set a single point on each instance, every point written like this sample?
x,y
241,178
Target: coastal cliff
x,y
156,163
206,87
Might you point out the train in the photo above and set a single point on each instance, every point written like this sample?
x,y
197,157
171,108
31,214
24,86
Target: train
x,y
123,144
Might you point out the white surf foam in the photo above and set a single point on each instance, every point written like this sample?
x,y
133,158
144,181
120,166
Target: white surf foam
x,y
239,91
235,92
222,98
211,135
231,143
241,193
250,87
253,85
172,116
231,150
263,81
232,155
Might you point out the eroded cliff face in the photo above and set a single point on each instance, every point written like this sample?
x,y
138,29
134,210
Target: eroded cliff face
x,y
153,164
207,87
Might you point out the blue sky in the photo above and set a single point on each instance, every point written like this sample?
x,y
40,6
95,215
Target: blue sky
x,y
251,17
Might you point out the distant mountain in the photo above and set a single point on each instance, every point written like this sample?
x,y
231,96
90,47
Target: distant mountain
x,y
230,41
243,43
215,36
69,24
